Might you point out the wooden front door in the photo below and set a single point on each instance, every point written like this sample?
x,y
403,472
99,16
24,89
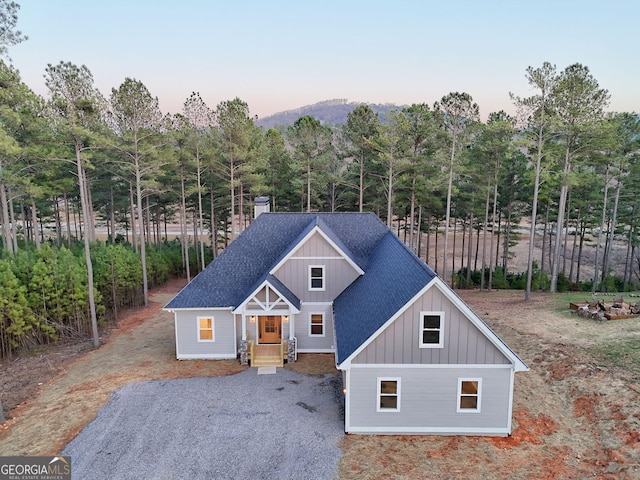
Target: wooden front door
x,y
269,329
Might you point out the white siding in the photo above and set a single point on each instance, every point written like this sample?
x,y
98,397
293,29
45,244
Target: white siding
x,y
429,401
187,344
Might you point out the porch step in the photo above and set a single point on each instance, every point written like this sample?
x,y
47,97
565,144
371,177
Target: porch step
x,y
267,361
267,355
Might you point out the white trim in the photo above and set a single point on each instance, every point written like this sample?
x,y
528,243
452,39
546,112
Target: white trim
x,y
325,304
323,325
317,229
440,330
175,327
491,431
207,356
510,408
240,308
310,286
346,363
347,400
199,329
518,364
478,395
464,366
379,394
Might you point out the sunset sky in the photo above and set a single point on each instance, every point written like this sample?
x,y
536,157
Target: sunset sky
x,y
279,55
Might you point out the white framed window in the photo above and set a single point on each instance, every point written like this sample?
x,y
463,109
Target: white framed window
x,y
469,395
205,329
316,278
316,325
431,329
388,398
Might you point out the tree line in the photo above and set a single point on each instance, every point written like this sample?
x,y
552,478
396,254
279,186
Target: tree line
x,y
94,175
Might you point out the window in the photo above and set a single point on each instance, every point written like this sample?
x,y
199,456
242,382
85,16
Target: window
x,y
388,395
431,329
205,329
316,325
469,394
316,277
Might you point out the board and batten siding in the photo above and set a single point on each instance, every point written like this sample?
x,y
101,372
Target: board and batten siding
x,y
428,401
224,332
307,343
463,342
294,272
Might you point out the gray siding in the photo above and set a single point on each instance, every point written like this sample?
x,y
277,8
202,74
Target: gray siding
x,y
306,343
428,401
294,273
187,344
463,342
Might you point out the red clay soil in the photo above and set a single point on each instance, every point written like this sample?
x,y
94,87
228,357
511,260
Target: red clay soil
x,y
574,417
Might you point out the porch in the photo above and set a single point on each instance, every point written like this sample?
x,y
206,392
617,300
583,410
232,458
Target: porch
x,y
268,355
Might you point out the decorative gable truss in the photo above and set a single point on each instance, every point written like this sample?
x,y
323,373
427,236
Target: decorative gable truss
x,y
266,299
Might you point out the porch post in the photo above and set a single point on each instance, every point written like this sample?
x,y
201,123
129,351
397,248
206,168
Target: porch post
x,y
244,327
292,325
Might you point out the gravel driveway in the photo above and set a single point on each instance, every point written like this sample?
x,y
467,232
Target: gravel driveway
x,y
243,426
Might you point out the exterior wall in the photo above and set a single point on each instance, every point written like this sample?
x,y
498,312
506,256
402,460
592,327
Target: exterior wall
x,y
224,333
463,342
307,343
428,401
252,328
294,273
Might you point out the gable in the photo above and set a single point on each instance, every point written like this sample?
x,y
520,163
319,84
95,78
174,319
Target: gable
x,y
317,250
463,342
394,276
270,295
234,274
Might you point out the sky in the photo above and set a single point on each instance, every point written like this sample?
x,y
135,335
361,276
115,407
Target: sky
x,y
279,55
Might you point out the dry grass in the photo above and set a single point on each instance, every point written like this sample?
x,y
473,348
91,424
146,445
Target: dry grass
x,y
575,412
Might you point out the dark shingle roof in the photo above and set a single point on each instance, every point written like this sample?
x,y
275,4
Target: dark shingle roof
x,y
394,276
229,278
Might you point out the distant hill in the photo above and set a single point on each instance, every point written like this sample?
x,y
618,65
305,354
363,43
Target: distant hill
x,y
329,112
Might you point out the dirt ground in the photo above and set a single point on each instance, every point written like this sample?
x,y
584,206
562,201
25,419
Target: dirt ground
x,y
576,414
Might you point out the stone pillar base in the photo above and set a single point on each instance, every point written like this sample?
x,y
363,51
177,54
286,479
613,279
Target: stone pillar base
x,y
291,350
244,352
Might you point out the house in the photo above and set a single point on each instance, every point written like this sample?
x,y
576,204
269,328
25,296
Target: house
x,y
415,359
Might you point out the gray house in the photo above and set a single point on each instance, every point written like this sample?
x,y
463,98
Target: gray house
x,y
415,358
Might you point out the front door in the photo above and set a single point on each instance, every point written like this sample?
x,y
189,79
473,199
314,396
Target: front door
x,y
269,329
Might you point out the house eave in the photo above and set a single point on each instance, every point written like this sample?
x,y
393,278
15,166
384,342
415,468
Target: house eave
x,y
192,309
